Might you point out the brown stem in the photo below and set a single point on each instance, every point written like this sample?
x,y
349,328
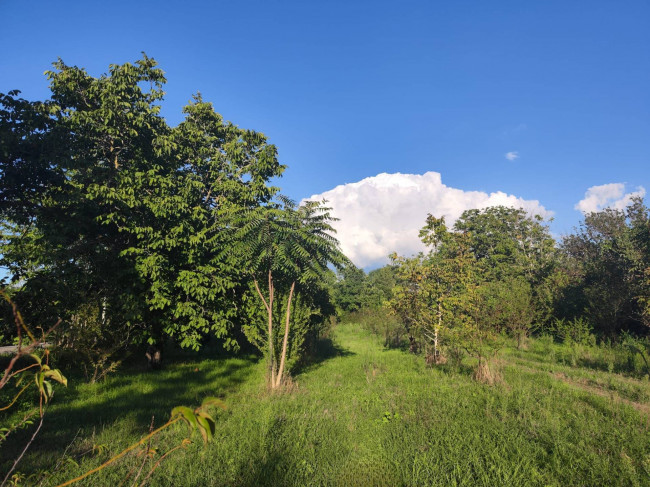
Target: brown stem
x,y
171,421
22,454
157,464
270,315
259,293
435,341
286,337
144,455
16,398
24,369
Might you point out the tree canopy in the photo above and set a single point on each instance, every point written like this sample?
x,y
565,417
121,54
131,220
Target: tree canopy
x,y
102,201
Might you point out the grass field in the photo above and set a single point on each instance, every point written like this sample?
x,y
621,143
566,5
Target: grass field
x,y
361,415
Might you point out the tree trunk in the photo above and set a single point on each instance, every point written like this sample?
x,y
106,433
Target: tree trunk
x,y
436,353
435,334
413,345
154,356
283,357
270,323
269,310
104,306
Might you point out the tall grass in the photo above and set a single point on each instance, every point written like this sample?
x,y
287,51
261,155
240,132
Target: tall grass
x,y
364,414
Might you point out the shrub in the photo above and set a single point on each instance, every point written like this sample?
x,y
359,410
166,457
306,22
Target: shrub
x,y
382,323
577,330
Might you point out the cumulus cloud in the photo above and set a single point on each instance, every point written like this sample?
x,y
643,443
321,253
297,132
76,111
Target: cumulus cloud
x,y
610,195
384,213
511,156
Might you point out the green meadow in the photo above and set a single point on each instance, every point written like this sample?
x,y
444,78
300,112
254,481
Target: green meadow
x,y
359,414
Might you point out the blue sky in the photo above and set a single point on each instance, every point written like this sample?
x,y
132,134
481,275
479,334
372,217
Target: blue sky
x,y
349,90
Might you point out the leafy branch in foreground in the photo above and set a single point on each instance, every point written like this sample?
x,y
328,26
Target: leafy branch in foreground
x,y
37,373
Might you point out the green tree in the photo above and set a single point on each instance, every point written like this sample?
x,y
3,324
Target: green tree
x,y
348,289
378,286
510,243
440,295
288,251
411,302
608,259
119,211
508,306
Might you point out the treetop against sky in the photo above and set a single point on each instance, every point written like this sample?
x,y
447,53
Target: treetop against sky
x,y
473,103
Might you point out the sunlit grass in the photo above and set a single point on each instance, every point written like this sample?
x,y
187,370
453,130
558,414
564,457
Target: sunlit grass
x,y
365,415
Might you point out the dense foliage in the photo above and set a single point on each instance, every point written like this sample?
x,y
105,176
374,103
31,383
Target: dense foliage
x,y
128,228
498,271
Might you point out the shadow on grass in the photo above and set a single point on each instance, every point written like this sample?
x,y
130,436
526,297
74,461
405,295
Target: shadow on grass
x,y
325,349
126,403
624,367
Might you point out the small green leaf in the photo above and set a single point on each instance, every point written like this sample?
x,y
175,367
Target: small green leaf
x,y
39,377
21,378
56,375
204,429
188,416
48,389
205,415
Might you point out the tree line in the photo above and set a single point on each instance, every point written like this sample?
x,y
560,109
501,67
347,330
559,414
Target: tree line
x,y
498,271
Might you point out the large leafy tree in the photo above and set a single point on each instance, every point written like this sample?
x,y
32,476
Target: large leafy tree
x,y
354,290
378,287
452,294
509,241
413,300
104,202
349,288
507,305
434,292
512,245
608,259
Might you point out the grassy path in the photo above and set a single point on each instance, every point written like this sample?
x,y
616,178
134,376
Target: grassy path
x,y
593,385
364,415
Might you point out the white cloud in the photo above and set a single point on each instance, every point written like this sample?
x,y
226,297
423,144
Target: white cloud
x,y
511,156
382,214
610,195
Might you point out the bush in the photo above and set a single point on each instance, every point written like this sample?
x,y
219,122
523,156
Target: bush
x,y
578,331
382,323
90,341
639,353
